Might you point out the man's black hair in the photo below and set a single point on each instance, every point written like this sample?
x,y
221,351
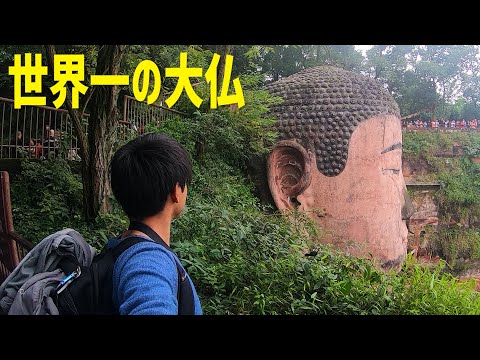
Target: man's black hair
x,y
145,170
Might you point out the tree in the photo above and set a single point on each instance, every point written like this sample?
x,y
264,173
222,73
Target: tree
x,y
278,61
344,56
96,146
444,66
421,77
394,65
7,53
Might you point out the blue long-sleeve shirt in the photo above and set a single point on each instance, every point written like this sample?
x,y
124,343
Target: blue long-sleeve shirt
x,y
145,280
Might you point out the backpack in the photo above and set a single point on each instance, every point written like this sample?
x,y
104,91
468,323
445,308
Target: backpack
x,y
86,289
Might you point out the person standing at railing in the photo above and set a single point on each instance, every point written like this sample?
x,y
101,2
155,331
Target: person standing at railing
x,y
14,143
31,148
35,149
50,145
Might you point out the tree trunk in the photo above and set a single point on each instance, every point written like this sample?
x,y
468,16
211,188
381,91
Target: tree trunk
x,y
101,127
434,105
223,51
76,117
444,97
96,150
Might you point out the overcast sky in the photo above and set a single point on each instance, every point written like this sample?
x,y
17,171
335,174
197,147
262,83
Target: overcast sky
x,y
363,48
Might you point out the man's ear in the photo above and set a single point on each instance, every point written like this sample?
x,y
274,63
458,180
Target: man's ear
x,y
174,193
289,173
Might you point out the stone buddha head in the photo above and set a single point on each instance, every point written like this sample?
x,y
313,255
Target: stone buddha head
x,y
339,158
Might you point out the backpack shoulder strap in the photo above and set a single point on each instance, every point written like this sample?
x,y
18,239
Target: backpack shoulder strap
x,y
124,245
186,304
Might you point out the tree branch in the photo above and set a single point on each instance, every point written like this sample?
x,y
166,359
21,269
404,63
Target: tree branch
x,y
89,96
414,114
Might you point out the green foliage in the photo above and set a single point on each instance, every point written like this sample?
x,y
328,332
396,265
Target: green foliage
x,y
44,195
472,146
460,189
458,175
459,195
426,78
457,243
232,136
461,186
418,144
246,262
47,197
7,53
279,61
421,290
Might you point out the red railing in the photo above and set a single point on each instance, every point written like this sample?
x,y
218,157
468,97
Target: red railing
x,y
12,246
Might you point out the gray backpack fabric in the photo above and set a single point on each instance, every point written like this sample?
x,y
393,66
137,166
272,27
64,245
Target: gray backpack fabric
x,y
29,288
34,297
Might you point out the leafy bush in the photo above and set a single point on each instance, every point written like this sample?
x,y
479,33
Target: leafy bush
x,y
457,243
418,144
47,197
246,262
230,136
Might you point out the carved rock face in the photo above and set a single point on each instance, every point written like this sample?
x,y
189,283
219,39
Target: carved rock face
x,y
340,153
323,106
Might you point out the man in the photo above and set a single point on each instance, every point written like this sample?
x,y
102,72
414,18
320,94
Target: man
x,y
149,177
340,160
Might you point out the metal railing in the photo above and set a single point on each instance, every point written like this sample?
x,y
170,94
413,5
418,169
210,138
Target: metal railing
x,y
441,130
137,114
36,132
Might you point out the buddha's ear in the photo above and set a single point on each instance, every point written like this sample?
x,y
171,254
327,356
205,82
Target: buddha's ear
x,y
289,173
